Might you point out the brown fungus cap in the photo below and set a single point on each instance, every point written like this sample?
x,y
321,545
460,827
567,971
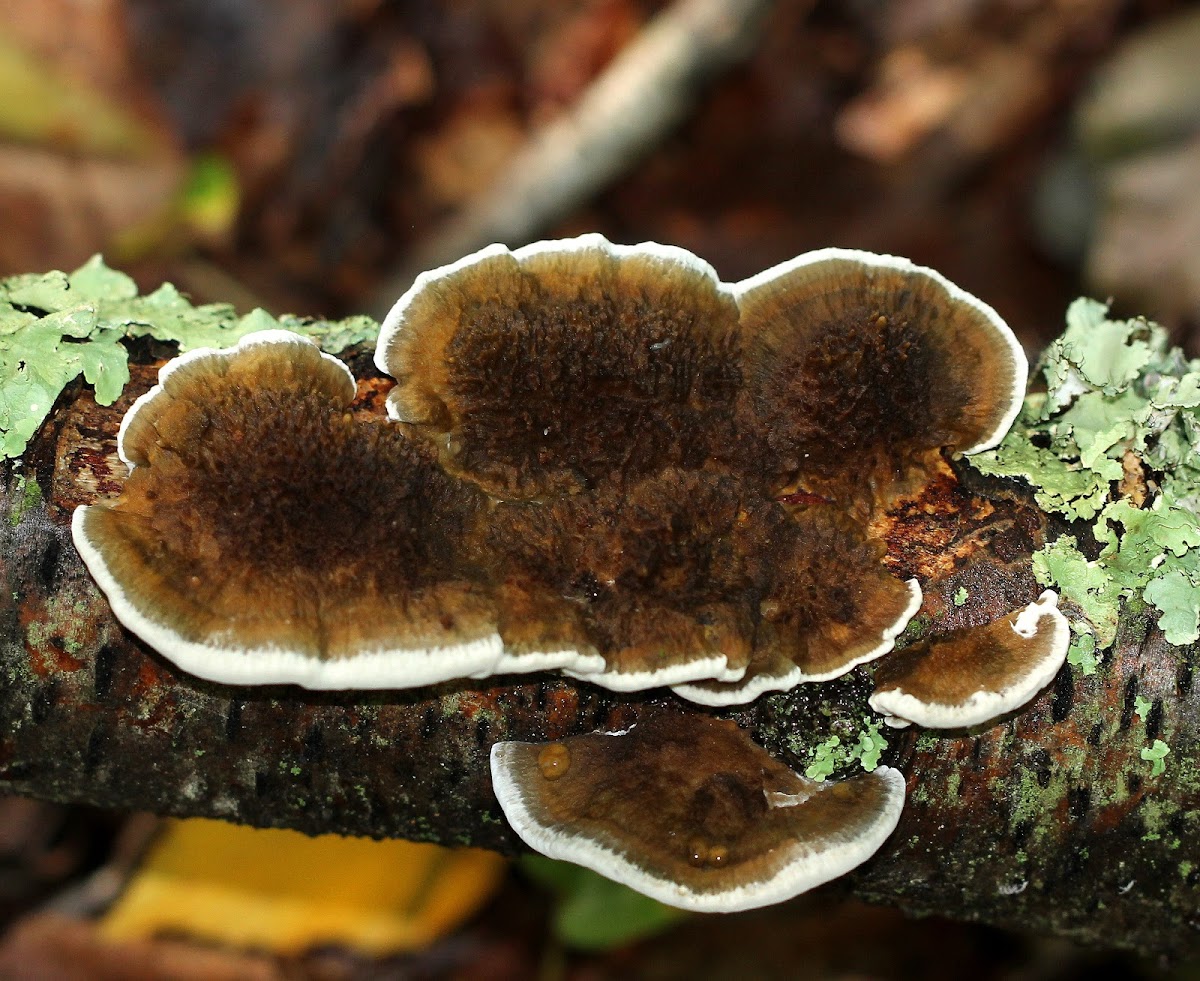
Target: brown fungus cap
x,y
246,545
693,577
859,365
660,576
562,364
973,676
687,810
830,605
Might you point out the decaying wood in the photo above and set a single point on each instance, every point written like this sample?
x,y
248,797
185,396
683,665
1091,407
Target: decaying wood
x,y
1050,820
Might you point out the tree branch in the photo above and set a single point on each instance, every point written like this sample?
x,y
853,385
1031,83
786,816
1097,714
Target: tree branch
x,y
1051,820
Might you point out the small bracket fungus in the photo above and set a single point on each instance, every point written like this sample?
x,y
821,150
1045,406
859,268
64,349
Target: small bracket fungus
x,y
973,676
859,366
687,810
548,368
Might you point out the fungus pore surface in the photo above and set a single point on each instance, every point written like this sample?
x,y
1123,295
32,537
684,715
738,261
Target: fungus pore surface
x,y
686,809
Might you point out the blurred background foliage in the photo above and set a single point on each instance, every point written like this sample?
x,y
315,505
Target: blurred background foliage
x,y
304,155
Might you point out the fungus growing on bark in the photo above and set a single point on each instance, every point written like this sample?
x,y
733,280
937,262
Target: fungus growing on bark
x,y
686,809
973,676
562,364
693,577
590,473
266,535
828,605
858,367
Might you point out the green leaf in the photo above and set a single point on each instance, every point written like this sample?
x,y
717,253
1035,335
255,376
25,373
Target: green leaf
x,y
594,913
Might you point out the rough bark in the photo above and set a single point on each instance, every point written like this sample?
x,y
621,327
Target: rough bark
x,y
1050,820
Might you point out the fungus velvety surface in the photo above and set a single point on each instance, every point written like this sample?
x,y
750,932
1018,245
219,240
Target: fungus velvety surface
x,y
556,366
246,543
973,676
860,366
686,809
588,470
691,576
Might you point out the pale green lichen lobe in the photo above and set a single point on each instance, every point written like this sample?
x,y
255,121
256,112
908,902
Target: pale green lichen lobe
x,y
56,326
1156,756
1115,439
836,753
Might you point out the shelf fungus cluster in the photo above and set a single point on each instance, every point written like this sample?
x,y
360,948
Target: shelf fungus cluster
x,y
686,809
604,461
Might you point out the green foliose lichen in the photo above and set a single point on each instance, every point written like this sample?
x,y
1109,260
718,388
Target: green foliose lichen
x,y
1115,440
1156,755
56,326
835,753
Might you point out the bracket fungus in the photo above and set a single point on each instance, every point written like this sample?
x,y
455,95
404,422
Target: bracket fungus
x,y
549,368
686,809
971,676
593,465
601,460
246,545
862,367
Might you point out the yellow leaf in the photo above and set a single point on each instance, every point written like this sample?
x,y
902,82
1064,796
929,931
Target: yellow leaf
x,y
285,892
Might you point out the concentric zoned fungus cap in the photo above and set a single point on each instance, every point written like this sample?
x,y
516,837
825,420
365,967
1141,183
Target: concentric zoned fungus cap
x,y
564,363
265,535
688,810
859,365
973,676
830,605
654,576
694,577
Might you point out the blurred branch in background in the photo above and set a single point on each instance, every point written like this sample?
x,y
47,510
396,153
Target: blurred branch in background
x,y
647,90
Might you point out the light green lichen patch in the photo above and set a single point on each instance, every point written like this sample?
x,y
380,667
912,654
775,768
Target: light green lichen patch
x,y
1082,653
1141,707
836,753
1115,440
56,326
961,596
1156,756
